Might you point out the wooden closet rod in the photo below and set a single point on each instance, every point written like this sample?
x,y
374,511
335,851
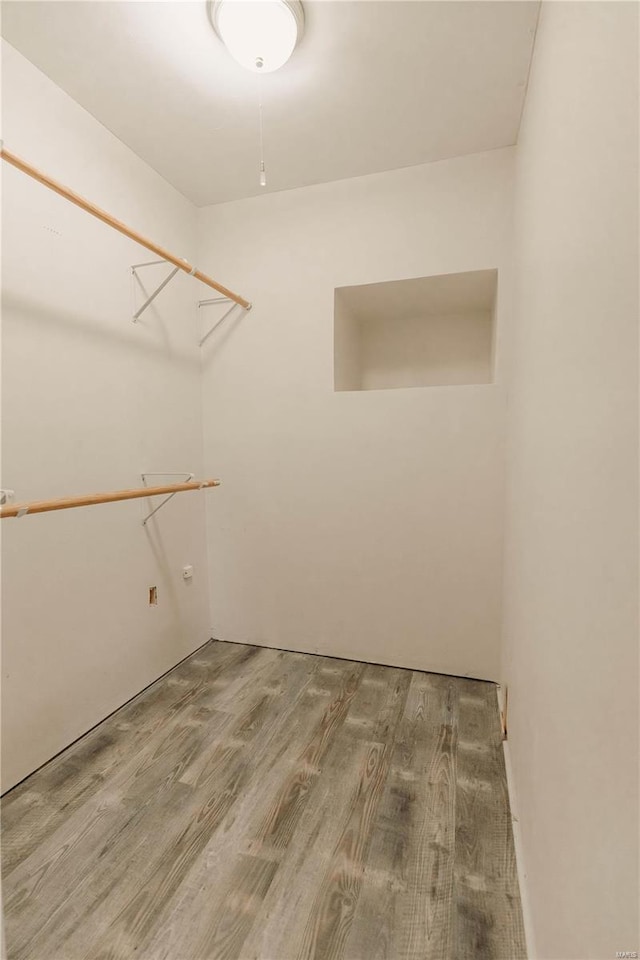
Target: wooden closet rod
x,y
120,227
44,506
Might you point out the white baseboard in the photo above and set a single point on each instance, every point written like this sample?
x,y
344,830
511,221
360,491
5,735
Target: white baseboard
x,y
527,918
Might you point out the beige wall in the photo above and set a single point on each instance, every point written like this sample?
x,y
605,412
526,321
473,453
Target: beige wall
x,y
365,524
360,524
347,347
571,572
89,401
447,350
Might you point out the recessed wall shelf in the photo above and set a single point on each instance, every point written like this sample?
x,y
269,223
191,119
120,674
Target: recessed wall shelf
x,y
421,332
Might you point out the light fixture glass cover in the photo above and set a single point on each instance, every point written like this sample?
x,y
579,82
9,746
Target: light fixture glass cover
x,y
260,34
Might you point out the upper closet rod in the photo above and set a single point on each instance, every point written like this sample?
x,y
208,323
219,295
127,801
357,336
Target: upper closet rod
x,y
121,227
90,500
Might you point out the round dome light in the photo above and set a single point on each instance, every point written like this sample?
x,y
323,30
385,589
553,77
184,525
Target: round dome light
x,y
260,34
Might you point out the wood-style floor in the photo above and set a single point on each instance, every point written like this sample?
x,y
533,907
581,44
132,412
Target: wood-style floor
x,y
255,803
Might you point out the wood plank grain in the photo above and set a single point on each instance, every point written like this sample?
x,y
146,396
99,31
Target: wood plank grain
x,y
67,861
378,704
332,913
60,924
280,928
237,835
429,749
388,689
33,810
115,821
247,888
231,693
133,912
487,912
281,820
376,928
263,805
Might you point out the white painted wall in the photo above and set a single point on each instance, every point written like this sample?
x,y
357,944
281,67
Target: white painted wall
x,y
347,346
89,401
364,524
391,352
447,350
357,524
571,568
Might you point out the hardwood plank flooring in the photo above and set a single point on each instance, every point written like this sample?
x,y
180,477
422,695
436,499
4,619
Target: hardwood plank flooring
x,y
257,804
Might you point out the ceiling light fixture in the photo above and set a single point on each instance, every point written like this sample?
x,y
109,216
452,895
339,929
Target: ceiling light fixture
x,y
260,34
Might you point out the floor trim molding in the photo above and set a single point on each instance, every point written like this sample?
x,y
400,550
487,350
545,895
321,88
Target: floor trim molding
x,y
102,720
338,656
527,916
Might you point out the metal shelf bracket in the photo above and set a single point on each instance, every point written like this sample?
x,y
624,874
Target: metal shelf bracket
x,y
187,476
151,297
227,313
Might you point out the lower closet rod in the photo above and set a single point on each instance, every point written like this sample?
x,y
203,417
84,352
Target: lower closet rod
x,y
89,500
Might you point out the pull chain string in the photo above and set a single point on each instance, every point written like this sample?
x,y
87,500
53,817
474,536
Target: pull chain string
x,y
263,176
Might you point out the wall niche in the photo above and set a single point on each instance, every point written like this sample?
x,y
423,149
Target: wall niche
x,y
423,332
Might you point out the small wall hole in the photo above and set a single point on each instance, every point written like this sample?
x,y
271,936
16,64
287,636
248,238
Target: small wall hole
x,y
153,596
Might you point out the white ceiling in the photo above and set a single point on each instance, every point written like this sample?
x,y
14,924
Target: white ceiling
x,y
374,85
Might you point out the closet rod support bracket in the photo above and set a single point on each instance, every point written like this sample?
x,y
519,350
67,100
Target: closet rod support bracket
x,y
227,313
187,476
159,288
